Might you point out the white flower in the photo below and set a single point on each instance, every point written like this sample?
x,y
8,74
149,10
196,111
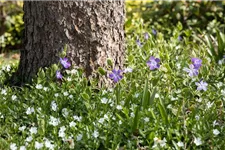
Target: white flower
x,y
53,105
223,92
209,105
101,120
95,134
38,145
180,144
146,119
6,68
132,114
178,65
56,94
197,117
220,62
79,137
73,71
163,142
128,70
72,124
45,89
173,98
197,141
65,93
4,92
219,84
39,86
30,110
49,145
13,146
65,112
120,122
215,123
77,118
33,130
199,100
158,141
106,117
14,97
104,100
62,131
136,95
71,96
69,79
29,139
216,132
22,128
54,121
156,95
22,147
119,107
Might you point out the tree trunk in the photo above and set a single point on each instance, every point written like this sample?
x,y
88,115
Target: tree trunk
x,y
92,30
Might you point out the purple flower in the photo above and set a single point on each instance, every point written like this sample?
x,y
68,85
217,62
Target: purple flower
x,y
192,71
153,63
201,85
115,75
138,42
146,36
59,75
180,38
154,32
196,62
65,62
223,56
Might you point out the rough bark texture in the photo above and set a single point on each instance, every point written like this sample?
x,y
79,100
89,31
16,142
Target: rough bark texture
x,y
92,30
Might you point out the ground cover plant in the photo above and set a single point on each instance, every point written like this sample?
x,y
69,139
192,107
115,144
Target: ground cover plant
x,y
170,95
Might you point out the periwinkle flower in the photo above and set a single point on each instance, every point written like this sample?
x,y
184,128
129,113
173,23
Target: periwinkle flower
x,y
192,71
59,75
65,62
146,36
196,62
154,32
201,85
153,63
180,38
138,42
116,75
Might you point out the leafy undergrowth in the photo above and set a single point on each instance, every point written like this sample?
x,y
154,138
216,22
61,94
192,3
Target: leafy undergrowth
x,y
170,96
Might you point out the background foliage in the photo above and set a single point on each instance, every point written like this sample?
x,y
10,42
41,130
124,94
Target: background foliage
x,y
164,15
161,15
11,25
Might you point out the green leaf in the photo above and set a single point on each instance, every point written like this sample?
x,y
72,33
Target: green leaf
x,y
152,97
221,44
163,112
179,26
101,71
146,96
41,74
85,96
109,62
136,119
130,58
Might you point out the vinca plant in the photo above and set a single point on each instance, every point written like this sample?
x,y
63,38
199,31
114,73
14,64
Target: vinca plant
x,y
170,95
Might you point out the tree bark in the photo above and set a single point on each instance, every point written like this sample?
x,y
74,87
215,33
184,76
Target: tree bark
x,y
92,30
